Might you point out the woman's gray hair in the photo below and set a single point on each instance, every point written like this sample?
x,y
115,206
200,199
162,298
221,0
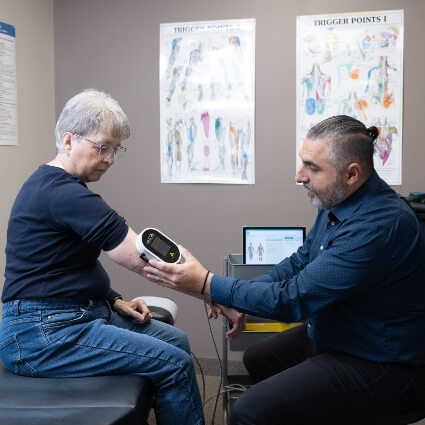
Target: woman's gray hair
x,y
348,141
92,110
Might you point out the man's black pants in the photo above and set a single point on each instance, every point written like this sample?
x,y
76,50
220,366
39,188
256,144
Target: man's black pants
x,y
300,385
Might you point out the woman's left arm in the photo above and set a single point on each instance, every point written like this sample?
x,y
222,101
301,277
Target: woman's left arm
x,y
126,254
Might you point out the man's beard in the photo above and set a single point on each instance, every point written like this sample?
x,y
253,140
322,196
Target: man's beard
x,y
328,197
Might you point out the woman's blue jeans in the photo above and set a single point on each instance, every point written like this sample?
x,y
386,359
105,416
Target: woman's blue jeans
x,y
65,338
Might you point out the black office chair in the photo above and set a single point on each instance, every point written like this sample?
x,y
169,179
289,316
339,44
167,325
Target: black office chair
x,y
417,202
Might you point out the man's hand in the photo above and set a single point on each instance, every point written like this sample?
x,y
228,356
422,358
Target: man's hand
x,y
235,318
187,277
136,309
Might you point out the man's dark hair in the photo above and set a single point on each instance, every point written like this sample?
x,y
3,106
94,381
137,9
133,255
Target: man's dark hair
x,y
348,141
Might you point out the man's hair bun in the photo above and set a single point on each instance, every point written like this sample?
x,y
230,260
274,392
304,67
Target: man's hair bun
x,y
372,132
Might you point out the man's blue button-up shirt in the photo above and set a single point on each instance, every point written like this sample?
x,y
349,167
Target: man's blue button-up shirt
x,y
359,279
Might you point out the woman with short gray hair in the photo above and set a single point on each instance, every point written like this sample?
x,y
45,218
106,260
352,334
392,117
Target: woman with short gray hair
x,y
59,309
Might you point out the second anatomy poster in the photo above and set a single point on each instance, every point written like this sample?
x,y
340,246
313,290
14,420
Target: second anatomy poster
x,y
352,64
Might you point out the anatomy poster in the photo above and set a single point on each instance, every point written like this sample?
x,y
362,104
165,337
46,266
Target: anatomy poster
x,y
352,64
207,101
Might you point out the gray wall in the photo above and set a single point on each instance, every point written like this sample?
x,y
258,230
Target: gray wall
x,y
114,46
33,21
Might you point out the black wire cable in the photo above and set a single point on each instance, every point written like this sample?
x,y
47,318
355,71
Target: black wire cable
x,y
219,363
202,377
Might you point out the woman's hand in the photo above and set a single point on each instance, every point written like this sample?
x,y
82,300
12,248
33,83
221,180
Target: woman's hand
x,y
137,309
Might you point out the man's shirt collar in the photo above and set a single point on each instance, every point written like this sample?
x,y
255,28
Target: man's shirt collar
x,y
347,208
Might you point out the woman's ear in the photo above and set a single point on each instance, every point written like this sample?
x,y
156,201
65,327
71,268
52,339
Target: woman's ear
x,y
67,142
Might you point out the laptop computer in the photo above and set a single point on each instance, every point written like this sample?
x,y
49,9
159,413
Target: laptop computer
x,y
270,245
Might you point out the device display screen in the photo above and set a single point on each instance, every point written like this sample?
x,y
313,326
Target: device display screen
x,y
270,245
151,243
161,246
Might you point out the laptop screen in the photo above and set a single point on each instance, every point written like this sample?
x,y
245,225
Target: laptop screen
x,y
270,245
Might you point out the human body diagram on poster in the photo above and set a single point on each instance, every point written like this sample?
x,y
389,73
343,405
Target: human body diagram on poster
x,y
352,64
207,102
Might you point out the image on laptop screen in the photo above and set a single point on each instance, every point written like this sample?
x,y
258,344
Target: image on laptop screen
x,y
270,245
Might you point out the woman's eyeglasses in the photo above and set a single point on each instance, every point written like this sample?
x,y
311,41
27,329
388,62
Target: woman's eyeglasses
x,y
105,150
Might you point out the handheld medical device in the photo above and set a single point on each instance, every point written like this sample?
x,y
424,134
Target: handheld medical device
x,y
151,243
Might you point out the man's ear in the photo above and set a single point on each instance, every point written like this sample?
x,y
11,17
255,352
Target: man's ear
x,y
353,174
67,142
